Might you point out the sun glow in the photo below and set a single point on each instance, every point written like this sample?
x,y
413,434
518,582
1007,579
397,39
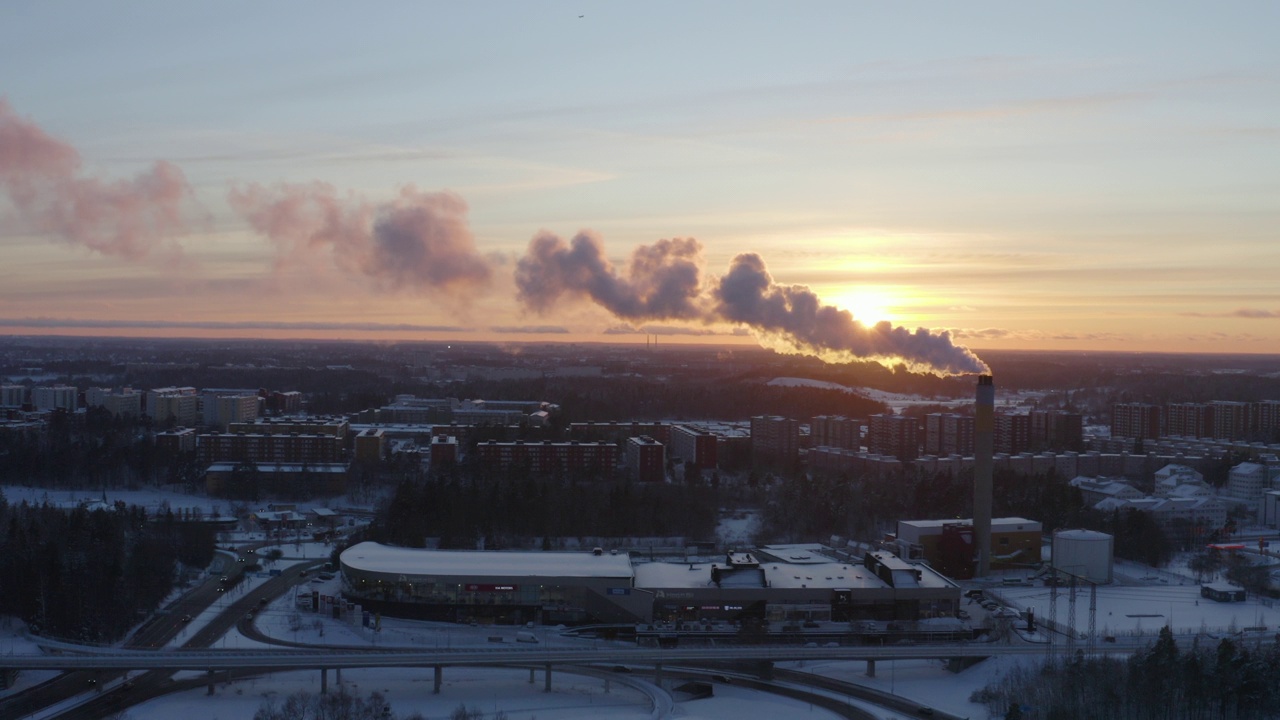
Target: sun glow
x,y
868,305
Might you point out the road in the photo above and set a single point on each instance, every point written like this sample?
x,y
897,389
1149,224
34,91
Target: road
x,y
155,634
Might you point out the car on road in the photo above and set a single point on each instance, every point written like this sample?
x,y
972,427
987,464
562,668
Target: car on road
x,y
186,618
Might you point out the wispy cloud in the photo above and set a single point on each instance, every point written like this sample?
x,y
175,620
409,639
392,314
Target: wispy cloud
x,y
43,322
530,329
1246,313
673,330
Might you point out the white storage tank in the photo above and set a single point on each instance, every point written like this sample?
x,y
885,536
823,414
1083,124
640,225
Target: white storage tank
x,y
1084,553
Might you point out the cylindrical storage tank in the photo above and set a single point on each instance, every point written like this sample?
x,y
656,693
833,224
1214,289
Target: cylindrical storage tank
x,y
1084,553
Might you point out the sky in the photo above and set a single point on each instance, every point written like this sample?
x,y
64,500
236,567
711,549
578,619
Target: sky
x,y
1068,176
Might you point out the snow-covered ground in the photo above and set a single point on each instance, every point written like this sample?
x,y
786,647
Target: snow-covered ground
x,y
1143,610
489,690
153,499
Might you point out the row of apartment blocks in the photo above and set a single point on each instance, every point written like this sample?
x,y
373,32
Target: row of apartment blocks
x,y
1218,419
184,406
1065,464
410,409
777,441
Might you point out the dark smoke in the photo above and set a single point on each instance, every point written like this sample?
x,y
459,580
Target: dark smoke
x,y
797,317
664,282
419,241
133,219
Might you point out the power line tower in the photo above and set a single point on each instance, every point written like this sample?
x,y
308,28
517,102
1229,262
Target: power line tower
x,y
1053,610
1071,619
1093,617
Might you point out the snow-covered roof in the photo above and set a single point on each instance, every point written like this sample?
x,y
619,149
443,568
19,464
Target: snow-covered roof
x,y
675,575
821,575
799,553
375,557
997,524
1081,535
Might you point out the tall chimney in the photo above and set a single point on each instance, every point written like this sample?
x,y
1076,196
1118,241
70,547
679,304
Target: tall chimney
x,y
983,441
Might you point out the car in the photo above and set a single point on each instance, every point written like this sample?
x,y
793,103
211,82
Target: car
x,y
962,614
222,579
186,618
263,601
1005,612
621,669
303,572
239,559
222,589
248,616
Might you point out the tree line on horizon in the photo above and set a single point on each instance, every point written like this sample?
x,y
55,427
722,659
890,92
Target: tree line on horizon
x,y
90,575
1227,681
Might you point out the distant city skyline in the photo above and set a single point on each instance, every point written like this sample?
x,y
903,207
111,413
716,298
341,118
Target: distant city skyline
x,y
1083,177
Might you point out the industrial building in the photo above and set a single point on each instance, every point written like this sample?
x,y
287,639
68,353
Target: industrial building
x,y
1084,554
949,545
581,587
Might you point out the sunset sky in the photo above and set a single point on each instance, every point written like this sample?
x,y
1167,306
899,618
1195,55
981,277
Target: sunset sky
x,y
1087,176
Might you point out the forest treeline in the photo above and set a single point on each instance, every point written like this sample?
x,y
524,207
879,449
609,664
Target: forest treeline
x,y
508,511
90,575
1226,681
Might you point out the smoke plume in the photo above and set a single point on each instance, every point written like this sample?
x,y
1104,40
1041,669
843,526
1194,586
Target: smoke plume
x,y
795,317
418,242
664,282
132,219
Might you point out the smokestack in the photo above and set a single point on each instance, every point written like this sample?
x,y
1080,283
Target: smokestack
x,y
983,441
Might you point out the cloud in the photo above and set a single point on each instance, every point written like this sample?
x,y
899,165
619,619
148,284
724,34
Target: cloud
x,y
530,329
663,281
419,242
132,219
672,330
44,322
1247,313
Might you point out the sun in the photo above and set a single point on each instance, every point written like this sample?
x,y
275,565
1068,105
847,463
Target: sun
x,y
867,305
